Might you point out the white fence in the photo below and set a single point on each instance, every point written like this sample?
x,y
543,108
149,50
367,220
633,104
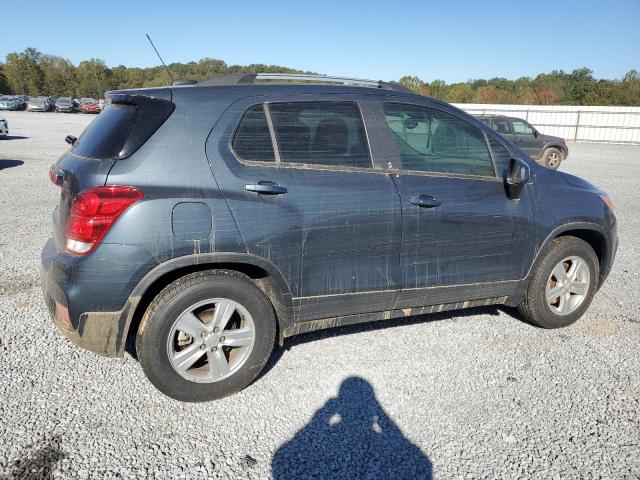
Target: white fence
x,y
587,124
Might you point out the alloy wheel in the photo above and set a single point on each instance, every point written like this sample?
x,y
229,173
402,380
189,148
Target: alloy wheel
x,y
211,340
568,285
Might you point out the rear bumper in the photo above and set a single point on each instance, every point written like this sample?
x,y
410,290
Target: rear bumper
x,y
82,297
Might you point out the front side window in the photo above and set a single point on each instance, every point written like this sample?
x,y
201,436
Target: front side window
x,y
320,133
522,128
252,140
430,140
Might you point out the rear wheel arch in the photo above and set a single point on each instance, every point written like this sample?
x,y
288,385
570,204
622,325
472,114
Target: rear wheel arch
x,y
269,280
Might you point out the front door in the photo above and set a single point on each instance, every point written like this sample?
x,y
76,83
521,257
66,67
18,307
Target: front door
x,y
526,139
299,180
461,234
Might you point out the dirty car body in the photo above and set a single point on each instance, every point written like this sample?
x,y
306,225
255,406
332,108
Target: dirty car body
x,y
360,237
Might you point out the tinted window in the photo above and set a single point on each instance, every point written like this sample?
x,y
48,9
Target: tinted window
x,y
501,156
106,135
522,128
433,141
252,140
320,133
502,125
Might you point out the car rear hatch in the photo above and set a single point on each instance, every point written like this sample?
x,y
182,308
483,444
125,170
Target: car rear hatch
x,y
127,122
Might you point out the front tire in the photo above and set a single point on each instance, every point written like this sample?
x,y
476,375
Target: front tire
x,y
562,284
206,336
552,158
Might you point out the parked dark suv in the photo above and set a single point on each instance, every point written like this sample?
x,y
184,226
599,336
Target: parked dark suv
x,y
548,150
211,221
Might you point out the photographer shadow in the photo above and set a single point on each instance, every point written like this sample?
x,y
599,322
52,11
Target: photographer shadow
x,y
352,437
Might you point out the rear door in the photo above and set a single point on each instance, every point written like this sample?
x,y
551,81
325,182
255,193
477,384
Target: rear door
x,y
461,235
299,179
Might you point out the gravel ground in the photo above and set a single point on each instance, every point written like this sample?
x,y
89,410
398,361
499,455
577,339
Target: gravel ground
x,y
470,394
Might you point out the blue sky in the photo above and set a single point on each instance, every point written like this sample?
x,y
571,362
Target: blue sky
x,y
450,40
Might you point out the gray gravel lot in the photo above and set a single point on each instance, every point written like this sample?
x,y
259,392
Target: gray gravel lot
x,y
470,394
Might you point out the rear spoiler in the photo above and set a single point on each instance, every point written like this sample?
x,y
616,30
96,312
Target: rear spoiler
x,y
160,93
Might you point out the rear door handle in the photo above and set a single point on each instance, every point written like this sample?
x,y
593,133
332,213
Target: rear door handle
x,y
266,187
425,201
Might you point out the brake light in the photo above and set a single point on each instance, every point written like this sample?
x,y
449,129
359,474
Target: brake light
x,y
92,214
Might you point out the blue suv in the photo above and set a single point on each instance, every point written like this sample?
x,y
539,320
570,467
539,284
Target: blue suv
x,y
211,221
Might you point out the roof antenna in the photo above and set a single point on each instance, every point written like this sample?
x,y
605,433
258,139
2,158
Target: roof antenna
x,y
162,61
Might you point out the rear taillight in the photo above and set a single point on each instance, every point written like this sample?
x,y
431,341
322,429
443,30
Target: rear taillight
x,y
92,214
54,176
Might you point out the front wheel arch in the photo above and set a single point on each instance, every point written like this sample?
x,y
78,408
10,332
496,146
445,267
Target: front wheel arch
x,y
591,233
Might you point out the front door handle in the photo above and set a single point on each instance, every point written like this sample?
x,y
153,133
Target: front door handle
x,y
425,201
266,187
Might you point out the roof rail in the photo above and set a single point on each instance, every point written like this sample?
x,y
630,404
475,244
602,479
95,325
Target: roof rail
x,y
248,78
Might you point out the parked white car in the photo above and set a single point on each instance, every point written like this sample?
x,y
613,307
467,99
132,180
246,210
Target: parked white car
x,y
4,127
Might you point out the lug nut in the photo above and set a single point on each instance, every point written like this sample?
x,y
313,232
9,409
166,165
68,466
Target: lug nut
x,y
216,330
203,347
222,339
213,349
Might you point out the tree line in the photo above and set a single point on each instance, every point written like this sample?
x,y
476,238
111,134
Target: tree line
x,y
556,88
33,73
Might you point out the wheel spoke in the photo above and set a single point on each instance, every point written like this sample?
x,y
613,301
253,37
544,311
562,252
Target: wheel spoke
x,y
242,337
579,288
576,267
190,324
222,314
218,365
184,359
559,272
564,303
553,294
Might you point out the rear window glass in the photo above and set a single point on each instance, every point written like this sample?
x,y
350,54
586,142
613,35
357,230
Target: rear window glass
x,y
252,140
320,133
107,134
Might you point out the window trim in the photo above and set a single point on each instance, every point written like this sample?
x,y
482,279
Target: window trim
x,y
306,166
401,170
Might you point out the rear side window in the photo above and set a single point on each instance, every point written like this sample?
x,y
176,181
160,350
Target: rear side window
x,y
502,125
430,140
252,140
320,133
107,134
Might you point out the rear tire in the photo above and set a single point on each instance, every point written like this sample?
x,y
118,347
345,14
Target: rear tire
x,y
552,299
160,339
552,158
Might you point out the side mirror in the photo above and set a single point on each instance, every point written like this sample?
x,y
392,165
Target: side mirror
x,y
535,133
518,176
70,139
